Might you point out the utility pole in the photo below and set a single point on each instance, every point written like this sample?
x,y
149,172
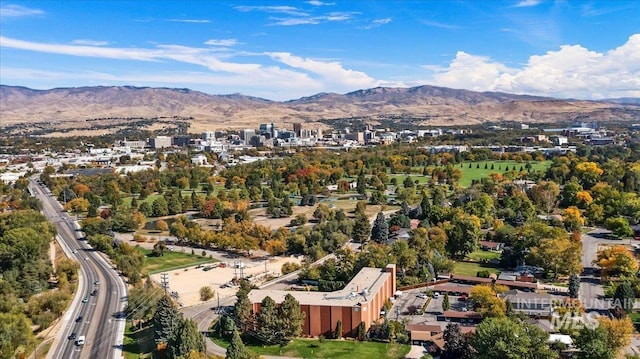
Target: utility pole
x,y
165,282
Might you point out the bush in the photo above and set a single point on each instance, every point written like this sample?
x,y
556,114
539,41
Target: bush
x,y
289,267
483,274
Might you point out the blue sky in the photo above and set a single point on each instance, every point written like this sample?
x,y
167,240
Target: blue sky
x,y
283,50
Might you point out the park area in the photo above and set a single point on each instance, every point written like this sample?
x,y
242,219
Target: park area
x,y
482,169
314,348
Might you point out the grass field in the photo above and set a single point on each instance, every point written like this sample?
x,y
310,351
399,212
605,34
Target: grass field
x,y
471,269
126,201
308,348
137,344
480,255
478,171
172,260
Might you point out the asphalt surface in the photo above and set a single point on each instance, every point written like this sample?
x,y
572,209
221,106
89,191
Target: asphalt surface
x,y
99,322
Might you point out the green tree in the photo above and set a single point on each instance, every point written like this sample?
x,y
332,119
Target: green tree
x,y
361,186
574,285
445,302
236,349
624,296
337,334
361,228
242,311
380,230
619,226
463,233
291,316
456,345
187,338
593,344
268,321
159,207
499,338
166,320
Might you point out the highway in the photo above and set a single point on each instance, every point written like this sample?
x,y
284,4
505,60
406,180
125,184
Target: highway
x,y
93,315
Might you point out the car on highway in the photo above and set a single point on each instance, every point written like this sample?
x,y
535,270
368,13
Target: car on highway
x,y
96,282
85,299
79,319
94,293
80,340
72,336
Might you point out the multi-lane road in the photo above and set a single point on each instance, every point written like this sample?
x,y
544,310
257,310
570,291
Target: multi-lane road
x,y
100,297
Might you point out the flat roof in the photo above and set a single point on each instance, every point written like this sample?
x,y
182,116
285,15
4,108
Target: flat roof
x,y
369,279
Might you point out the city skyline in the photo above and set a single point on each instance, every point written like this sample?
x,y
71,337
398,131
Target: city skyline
x,y
287,50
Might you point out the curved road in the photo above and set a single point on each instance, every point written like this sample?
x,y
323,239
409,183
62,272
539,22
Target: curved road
x,y
94,316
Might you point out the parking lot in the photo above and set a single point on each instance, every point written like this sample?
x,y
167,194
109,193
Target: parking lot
x,y
409,306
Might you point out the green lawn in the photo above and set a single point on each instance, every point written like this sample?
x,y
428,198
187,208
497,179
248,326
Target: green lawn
x,y
469,174
172,260
126,201
471,269
414,177
312,348
480,255
137,344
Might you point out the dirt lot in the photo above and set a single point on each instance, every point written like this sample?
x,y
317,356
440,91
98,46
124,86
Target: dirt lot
x,y
187,282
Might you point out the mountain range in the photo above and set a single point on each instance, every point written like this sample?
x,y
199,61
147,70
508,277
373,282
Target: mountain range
x,y
422,105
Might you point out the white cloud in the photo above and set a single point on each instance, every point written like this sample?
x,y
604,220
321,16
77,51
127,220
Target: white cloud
x,y
89,42
289,10
439,24
191,21
572,71
377,22
319,3
18,11
335,75
222,42
527,3
295,21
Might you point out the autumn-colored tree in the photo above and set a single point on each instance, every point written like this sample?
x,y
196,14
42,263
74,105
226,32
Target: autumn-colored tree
x,y
487,302
139,219
588,173
560,255
161,225
77,205
619,331
81,189
616,260
572,218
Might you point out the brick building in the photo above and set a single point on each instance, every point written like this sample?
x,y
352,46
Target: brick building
x,y
360,301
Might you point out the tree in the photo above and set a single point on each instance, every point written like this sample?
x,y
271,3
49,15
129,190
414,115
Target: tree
x,y
268,321
187,338
487,302
573,220
361,186
616,260
499,338
242,311
337,334
619,332
463,232
159,248
619,226
361,331
361,228
456,345
206,293
593,343
161,225
624,296
159,207
236,349
77,205
558,254
380,230
291,317
574,286
165,320
445,302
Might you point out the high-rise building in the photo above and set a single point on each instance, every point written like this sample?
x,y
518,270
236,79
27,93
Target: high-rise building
x,y
297,129
246,135
160,142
